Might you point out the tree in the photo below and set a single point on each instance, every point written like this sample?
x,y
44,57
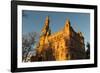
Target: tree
x,y
28,40
88,51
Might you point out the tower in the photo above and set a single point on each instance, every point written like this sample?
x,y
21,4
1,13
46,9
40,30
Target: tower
x,y
46,30
45,33
67,28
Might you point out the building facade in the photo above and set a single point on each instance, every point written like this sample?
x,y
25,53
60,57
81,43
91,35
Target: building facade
x,y
66,44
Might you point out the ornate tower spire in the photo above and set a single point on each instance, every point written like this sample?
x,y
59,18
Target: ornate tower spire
x,y
67,27
45,28
67,23
47,21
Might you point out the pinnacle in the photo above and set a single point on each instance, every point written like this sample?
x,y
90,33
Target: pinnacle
x,y
47,18
67,21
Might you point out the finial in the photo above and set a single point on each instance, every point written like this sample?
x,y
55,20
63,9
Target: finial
x,y
47,18
67,21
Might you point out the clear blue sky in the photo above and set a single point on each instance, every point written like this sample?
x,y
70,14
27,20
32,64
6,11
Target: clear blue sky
x,y
33,21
